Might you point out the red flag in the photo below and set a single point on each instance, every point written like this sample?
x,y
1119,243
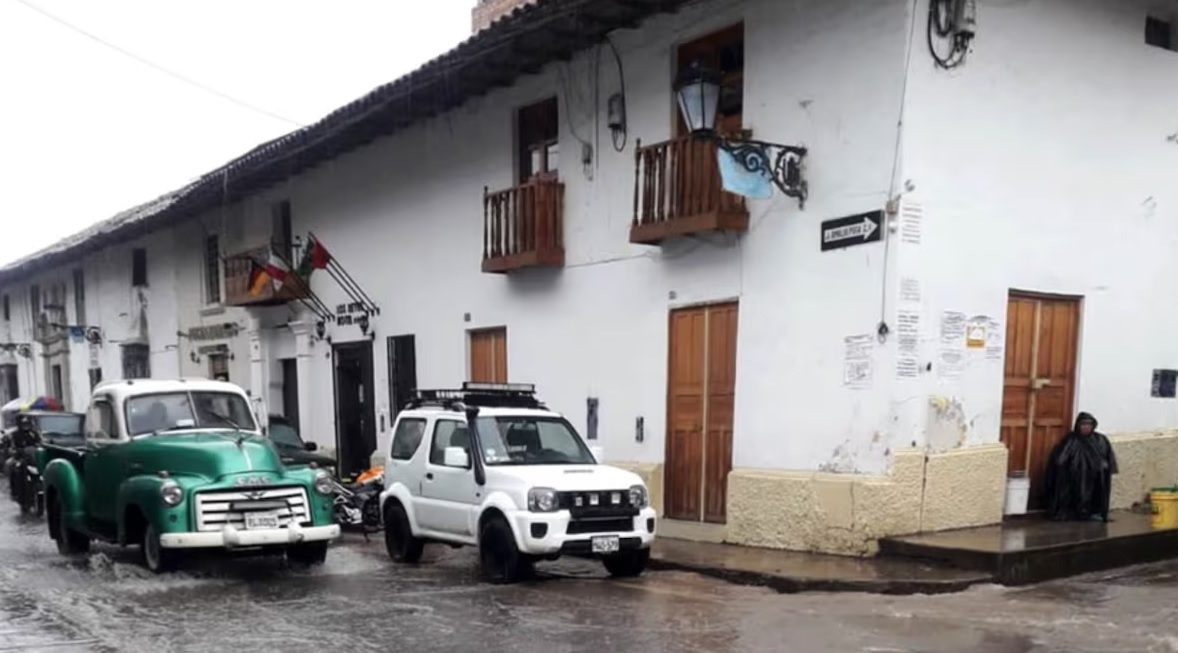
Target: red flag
x,y
320,257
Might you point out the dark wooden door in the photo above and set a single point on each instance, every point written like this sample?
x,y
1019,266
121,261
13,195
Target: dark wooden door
x,y
701,388
488,355
354,412
290,391
1042,339
402,352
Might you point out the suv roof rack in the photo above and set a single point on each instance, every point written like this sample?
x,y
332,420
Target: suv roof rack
x,y
482,395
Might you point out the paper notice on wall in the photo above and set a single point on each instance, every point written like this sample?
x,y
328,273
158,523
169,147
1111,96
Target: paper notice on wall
x,y
950,364
995,342
908,333
910,290
858,365
952,329
907,368
911,224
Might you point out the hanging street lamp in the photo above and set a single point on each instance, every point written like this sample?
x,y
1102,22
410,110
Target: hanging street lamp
x,y
698,90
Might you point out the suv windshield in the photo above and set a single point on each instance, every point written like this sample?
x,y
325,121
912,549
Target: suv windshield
x,y
527,440
187,410
59,427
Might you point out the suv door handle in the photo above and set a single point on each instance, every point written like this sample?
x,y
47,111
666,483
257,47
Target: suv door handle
x,y
429,476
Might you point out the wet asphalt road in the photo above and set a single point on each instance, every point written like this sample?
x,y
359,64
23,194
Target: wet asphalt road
x,y
360,602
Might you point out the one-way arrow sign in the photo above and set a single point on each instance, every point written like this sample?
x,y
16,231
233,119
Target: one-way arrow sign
x,y
852,230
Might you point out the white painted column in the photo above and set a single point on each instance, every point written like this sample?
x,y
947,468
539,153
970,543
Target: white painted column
x,y
303,350
259,369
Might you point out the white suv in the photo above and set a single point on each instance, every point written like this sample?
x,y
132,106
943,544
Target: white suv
x,y
490,466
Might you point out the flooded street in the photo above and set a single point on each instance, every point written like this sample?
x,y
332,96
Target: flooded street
x,y
359,602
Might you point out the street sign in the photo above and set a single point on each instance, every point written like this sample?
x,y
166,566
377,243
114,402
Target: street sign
x,y
852,230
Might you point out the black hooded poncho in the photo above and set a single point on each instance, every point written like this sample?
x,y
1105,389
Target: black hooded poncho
x,y
1079,475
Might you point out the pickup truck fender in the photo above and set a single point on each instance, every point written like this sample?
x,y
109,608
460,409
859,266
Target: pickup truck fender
x,y
401,493
62,479
142,492
500,502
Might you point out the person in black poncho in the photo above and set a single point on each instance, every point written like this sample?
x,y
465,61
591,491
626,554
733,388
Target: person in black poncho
x,y
1079,474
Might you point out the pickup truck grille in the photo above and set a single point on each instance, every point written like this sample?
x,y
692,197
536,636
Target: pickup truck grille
x,y
216,508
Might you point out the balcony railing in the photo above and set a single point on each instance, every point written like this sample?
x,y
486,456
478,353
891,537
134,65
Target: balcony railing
x,y
238,270
524,226
677,192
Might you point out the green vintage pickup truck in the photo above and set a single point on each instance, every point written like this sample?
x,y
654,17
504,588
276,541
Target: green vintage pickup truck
x,y
179,465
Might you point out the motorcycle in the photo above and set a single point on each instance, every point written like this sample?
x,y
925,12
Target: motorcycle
x,y
25,485
357,502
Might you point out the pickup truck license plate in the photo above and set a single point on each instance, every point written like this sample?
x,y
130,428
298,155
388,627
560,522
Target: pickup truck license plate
x,y
261,520
605,544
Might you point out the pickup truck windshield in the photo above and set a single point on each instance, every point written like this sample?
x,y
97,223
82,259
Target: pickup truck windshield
x,y
187,410
531,441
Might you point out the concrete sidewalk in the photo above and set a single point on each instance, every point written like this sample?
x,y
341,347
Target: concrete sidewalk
x,y
792,572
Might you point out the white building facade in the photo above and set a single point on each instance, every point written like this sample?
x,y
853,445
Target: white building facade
x,y
773,390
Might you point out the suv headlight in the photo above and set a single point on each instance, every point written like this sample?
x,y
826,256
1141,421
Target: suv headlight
x,y
171,494
323,483
639,497
543,499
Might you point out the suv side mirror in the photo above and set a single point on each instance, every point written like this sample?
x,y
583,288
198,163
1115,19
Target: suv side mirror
x,y
598,454
311,446
456,457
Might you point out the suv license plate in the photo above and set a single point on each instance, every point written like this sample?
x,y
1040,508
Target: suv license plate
x,y
606,544
261,520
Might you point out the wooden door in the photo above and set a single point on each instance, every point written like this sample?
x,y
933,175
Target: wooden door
x,y
701,386
488,355
1042,339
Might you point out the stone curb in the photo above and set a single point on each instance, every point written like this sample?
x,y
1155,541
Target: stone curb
x,y
798,585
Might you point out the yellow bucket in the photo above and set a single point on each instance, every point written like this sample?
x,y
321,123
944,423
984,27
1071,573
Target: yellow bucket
x,y
1164,505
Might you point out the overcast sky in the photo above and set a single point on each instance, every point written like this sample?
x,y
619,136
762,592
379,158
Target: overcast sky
x,y
86,131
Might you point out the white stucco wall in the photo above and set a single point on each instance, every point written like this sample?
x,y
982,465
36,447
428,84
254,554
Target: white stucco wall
x,y
405,217
1047,163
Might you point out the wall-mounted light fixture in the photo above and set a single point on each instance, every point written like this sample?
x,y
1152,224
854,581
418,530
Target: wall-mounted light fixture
x,y
698,91
320,329
363,322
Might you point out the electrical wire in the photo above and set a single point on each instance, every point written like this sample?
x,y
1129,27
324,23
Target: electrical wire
x,y
941,24
159,68
622,82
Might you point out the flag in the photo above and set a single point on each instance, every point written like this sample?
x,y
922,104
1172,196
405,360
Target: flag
x,y
315,257
277,269
739,180
258,279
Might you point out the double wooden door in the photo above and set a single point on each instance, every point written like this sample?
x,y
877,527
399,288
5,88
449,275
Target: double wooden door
x,y
701,391
1042,339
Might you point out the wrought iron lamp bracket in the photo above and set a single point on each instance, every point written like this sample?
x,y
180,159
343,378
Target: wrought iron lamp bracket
x,y
782,163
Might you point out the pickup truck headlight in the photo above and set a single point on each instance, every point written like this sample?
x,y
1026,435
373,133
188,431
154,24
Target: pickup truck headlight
x,y
542,499
324,484
639,497
171,494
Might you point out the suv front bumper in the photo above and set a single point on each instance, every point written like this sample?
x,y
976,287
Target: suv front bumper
x,y
555,538
231,538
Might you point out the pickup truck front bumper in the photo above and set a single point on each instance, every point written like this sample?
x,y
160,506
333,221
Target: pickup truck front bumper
x,y
232,538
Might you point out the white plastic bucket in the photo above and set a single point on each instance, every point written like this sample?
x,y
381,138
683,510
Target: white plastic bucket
x,y
1018,490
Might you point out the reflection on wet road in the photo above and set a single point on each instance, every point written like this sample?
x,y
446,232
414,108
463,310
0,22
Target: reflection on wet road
x,y
359,602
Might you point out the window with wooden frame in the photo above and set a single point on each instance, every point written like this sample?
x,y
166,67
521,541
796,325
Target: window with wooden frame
x,y
212,269
538,135
723,52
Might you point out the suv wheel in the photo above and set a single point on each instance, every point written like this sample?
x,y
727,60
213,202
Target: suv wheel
x,y
627,565
398,535
501,561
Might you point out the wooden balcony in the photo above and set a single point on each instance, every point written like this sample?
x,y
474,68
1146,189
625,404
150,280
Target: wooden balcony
x,y
238,268
677,192
523,227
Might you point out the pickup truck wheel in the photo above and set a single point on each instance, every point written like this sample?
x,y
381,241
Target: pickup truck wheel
x,y
307,555
156,558
627,565
398,535
500,559
68,542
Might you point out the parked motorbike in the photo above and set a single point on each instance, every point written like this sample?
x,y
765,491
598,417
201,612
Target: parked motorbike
x,y
357,501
